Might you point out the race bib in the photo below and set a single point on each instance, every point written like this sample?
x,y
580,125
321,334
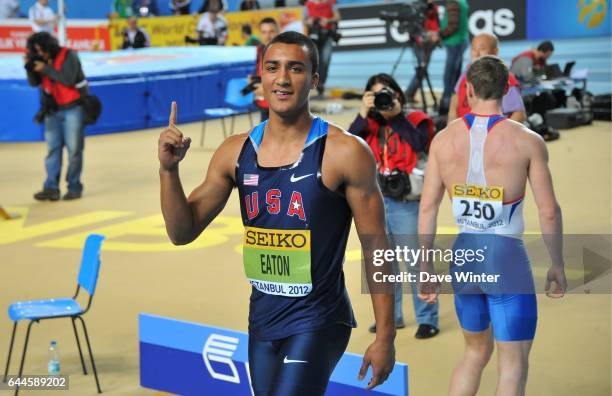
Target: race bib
x,y
278,261
478,207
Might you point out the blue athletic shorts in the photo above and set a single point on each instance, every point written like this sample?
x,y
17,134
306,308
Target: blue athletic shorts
x,y
297,365
509,303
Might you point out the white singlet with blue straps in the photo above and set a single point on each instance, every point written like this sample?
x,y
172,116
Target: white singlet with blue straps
x,y
477,206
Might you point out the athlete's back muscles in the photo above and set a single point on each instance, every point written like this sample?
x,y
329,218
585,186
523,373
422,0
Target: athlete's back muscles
x,y
507,154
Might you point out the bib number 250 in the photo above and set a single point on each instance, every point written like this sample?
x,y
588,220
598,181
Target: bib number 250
x,y
478,210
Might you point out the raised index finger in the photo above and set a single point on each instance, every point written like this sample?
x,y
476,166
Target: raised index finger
x,y
172,119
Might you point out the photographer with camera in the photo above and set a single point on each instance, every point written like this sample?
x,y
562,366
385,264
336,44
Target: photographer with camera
x,y
57,70
398,141
321,24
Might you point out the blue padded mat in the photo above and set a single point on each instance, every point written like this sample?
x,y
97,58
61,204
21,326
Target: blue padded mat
x,y
135,87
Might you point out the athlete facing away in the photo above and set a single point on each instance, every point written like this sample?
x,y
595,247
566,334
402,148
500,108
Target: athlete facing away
x,y
483,161
300,180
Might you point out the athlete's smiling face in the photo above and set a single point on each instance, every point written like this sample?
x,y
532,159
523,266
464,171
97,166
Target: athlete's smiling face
x,y
287,77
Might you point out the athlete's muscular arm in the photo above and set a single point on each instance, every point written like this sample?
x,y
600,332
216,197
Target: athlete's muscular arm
x,y
186,217
358,169
433,192
551,222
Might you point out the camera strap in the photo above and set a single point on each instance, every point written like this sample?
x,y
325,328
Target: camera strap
x,y
384,134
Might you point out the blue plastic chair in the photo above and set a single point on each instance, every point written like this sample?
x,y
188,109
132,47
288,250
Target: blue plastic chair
x,y
38,310
236,104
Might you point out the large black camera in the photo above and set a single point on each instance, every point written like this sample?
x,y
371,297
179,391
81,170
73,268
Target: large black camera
x,y
29,65
48,105
383,99
250,87
395,184
410,16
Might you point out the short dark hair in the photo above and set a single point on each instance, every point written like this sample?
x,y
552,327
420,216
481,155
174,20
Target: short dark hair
x,y
246,29
269,20
296,38
546,46
387,80
45,41
489,76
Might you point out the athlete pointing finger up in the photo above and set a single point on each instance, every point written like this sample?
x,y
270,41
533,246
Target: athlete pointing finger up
x,y
300,182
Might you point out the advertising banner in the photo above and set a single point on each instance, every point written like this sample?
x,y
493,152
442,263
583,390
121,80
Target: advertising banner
x,y
362,28
551,19
171,31
82,35
194,359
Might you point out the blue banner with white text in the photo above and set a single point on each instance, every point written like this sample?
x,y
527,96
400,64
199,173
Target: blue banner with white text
x,y
193,359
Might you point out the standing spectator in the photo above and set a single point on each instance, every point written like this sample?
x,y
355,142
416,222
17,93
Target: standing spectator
x,y
9,9
42,17
247,5
454,34
180,7
145,8
122,8
425,46
211,30
134,36
218,5
512,105
62,83
321,20
247,35
268,29
528,64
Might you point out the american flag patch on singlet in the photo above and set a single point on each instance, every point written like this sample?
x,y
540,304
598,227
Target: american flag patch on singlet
x,y
251,180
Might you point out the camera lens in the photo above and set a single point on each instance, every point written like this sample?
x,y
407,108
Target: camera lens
x,y
383,99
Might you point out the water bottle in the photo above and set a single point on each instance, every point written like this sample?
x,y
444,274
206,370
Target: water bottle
x,y
54,362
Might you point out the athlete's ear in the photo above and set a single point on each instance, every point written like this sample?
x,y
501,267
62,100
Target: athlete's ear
x,y
469,90
315,81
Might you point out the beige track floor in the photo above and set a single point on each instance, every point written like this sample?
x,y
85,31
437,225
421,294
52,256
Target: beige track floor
x,y
142,272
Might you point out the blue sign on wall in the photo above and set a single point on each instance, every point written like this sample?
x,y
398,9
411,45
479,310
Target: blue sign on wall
x,y
551,19
193,359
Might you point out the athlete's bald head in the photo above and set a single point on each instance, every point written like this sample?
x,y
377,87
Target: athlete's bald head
x,y
484,44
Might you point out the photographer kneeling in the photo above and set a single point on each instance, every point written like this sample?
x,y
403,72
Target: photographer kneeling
x,y
57,70
398,141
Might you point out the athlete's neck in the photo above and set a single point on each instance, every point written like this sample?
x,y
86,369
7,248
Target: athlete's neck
x,y
486,107
289,127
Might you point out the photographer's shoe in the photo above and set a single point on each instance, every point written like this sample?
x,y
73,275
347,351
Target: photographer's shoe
x,y
47,195
70,195
426,331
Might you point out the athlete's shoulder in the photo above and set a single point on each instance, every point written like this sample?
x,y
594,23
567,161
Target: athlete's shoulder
x,y
519,129
228,152
452,128
234,142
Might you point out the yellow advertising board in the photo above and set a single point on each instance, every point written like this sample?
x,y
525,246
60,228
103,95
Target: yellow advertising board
x,y
163,31
170,31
